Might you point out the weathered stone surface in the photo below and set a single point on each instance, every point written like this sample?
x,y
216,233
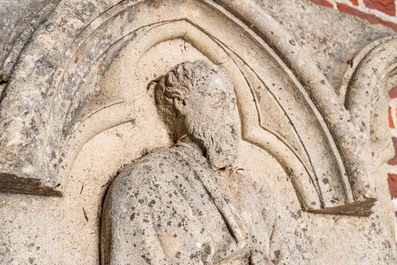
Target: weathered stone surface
x,y
169,207
331,38
75,107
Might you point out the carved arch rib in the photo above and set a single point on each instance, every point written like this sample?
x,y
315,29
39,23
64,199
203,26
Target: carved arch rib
x,y
318,176
365,92
349,140
182,29
312,203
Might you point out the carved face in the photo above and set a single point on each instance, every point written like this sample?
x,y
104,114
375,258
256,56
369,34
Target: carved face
x,y
198,99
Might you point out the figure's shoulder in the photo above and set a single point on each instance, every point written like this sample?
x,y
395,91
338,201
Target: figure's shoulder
x,y
142,172
152,162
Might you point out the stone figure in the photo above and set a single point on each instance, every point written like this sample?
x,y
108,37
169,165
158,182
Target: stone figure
x,y
186,204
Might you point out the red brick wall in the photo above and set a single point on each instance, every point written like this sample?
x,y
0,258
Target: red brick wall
x,y
393,127
376,12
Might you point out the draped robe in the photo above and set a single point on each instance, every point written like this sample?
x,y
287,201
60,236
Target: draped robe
x,y
170,207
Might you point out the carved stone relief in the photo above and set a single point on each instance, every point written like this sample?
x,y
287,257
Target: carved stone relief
x,y
170,206
78,112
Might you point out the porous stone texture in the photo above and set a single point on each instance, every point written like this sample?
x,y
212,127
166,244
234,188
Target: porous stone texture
x,y
78,108
170,208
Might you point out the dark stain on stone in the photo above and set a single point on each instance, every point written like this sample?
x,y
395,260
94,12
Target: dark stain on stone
x,y
151,203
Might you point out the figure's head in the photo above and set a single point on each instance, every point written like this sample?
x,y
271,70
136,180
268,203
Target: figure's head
x,y
198,99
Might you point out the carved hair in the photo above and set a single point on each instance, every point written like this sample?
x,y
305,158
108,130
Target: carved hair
x,y
176,84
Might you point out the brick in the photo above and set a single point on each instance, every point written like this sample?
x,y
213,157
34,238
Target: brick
x,y
385,6
353,11
393,93
370,18
323,3
391,124
393,161
392,180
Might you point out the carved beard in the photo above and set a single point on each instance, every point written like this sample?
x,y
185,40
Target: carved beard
x,y
218,137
